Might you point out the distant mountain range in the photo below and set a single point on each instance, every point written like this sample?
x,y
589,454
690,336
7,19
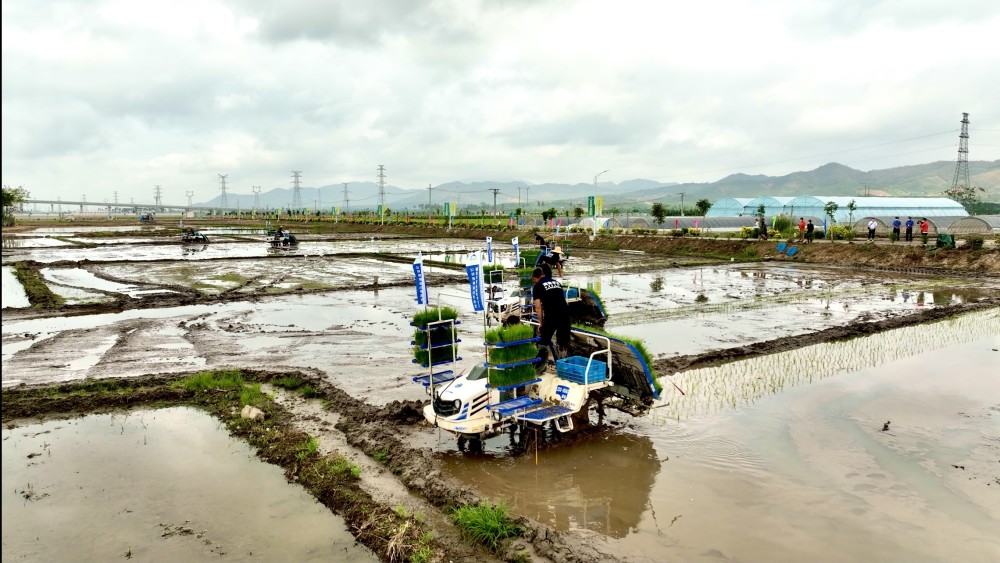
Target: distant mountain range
x,y
828,180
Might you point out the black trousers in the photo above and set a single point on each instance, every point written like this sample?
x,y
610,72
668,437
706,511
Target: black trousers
x,y
909,234
560,328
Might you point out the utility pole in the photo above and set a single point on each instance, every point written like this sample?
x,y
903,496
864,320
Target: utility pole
x,y
256,197
223,201
682,202
189,194
158,202
116,198
430,206
962,166
495,192
347,201
381,193
296,189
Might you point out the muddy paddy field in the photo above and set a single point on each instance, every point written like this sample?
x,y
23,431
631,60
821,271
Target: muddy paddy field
x,y
824,410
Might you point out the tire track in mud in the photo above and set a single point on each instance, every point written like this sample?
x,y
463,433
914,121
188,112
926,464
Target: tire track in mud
x,y
692,361
376,431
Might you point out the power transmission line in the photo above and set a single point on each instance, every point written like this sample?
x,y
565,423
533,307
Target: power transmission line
x,y
223,201
962,166
381,193
296,189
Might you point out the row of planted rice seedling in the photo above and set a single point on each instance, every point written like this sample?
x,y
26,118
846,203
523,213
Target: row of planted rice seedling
x,y
735,384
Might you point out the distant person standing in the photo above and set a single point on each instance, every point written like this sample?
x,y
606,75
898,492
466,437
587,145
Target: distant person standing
x,y
802,229
872,225
924,228
895,228
810,228
909,229
540,241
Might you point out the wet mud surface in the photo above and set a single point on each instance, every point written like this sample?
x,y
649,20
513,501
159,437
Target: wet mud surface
x,y
323,319
104,485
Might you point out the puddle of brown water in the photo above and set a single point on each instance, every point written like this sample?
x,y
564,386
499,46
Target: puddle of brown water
x,y
156,485
804,475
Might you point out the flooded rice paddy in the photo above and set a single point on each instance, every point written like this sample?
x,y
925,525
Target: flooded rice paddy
x,y
802,472
156,485
779,457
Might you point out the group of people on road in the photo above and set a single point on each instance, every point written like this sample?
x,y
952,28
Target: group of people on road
x,y
806,230
897,225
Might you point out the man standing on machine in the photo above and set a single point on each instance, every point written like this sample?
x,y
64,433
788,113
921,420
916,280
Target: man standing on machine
x,y
552,311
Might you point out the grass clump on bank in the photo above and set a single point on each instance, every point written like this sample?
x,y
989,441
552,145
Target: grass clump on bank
x,y
212,380
307,449
298,385
486,523
38,292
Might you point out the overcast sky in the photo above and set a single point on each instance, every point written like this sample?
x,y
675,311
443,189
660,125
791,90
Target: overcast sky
x,y
102,96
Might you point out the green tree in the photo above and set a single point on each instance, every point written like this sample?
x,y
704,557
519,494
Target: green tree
x,y
578,212
12,197
703,205
830,208
966,195
659,212
549,213
852,206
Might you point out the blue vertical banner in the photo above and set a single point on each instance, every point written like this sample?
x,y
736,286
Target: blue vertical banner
x,y
421,280
517,253
489,250
474,269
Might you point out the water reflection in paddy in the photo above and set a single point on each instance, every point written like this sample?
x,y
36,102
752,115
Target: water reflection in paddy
x,y
803,475
156,485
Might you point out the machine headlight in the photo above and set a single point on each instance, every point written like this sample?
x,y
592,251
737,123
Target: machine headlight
x,y
458,404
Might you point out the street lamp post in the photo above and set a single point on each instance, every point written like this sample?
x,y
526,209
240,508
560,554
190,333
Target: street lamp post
x,y
682,202
595,195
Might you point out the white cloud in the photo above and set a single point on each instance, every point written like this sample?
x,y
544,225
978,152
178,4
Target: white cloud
x,y
110,95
